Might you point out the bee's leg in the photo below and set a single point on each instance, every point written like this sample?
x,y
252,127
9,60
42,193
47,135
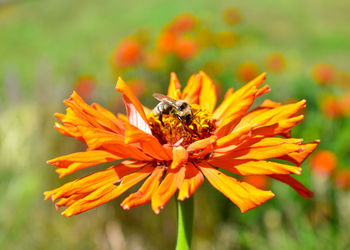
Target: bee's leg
x,y
180,118
161,118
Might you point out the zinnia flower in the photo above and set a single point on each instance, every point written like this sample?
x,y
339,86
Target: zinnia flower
x,y
172,156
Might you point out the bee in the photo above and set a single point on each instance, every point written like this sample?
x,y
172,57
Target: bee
x,y
181,109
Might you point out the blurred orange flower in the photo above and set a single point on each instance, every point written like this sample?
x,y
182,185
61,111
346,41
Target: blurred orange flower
x,y
182,24
137,86
185,48
323,162
342,179
275,62
232,16
331,106
345,104
177,152
247,71
85,86
127,53
323,73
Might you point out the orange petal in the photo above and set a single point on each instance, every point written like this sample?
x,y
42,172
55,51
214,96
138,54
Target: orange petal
x,y
93,116
207,97
201,144
296,185
174,87
171,182
263,90
260,149
149,144
180,157
99,138
244,195
270,116
279,128
234,138
232,99
65,202
193,179
136,115
107,192
237,106
73,162
299,157
191,91
249,167
108,114
94,181
144,194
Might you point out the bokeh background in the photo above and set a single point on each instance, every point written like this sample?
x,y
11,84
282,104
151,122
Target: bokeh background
x,y
48,48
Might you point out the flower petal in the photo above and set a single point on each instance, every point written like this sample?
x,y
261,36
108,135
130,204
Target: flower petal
x,y
107,192
299,157
234,138
94,181
282,127
148,143
144,194
262,148
201,144
233,99
99,138
237,106
269,116
73,162
168,187
191,91
134,109
293,183
180,157
253,167
93,116
174,90
207,97
193,179
244,195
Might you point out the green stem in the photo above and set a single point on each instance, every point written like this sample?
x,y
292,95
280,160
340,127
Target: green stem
x,y
185,224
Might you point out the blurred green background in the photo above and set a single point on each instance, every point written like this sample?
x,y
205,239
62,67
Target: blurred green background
x,y
48,47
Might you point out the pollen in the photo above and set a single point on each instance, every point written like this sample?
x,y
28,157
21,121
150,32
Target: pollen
x,y
171,130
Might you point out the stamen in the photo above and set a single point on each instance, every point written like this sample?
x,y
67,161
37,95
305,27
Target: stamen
x,y
171,129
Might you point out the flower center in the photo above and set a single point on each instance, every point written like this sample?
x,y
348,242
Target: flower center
x,y
172,129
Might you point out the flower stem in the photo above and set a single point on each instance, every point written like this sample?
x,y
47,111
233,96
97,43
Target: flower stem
x,y
185,224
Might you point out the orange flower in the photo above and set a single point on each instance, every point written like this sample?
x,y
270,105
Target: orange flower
x,y
185,48
323,73
172,155
85,86
127,53
342,179
232,16
275,62
182,24
137,86
247,71
323,162
331,106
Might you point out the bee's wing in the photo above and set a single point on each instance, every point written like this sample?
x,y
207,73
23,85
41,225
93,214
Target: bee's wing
x,y
164,98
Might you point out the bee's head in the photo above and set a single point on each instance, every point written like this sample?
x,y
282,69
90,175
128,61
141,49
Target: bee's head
x,y
188,119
